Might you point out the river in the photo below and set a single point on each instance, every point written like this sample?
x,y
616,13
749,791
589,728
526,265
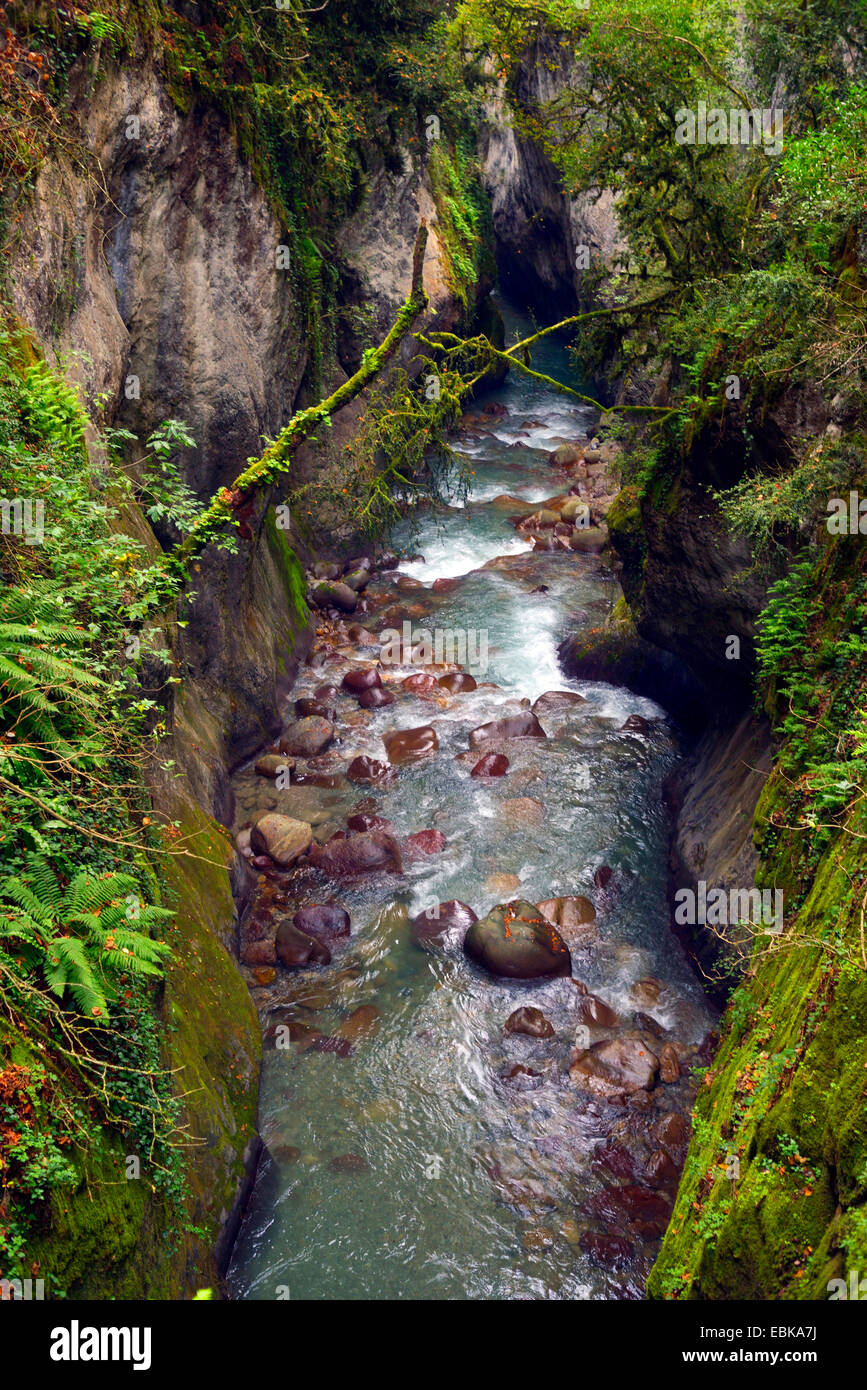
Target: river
x,y
414,1168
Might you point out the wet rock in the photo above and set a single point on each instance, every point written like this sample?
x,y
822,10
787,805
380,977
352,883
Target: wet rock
x,y
566,454
306,707
388,561
410,745
333,594
273,764
661,1171
522,1078
445,586
419,684
284,1153
498,730
531,1021
363,1022
576,510
357,579
371,852
515,941
242,842
639,1209
280,837
589,540
424,842
539,520
603,876
431,926
408,585
324,570
457,682
502,883
261,952
557,701
366,678
595,1011
262,861
491,765
649,1025
617,1067
307,737
375,698
264,975
519,812
323,921
645,992
574,916
635,724
673,1131
364,769
606,1251
613,1160
326,693
296,948
364,820
669,1066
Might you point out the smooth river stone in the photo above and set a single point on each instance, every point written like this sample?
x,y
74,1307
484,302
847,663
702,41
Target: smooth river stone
x,y
272,764
594,1010
610,1069
296,948
365,820
363,1022
502,883
281,838
575,916
515,941
424,842
497,730
556,701
364,679
375,698
430,926
420,684
456,682
306,707
530,1021
371,852
410,745
364,769
335,595
324,921
491,765
307,737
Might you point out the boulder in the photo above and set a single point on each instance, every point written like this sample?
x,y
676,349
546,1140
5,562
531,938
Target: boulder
x,y
431,926
556,701
375,698
357,579
424,842
410,745
280,837
363,1022
669,1066
589,540
595,1011
419,684
307,737
272,764
530,1021
515,941
576,510
333,594
323,921
498,730
457,682
566,454
296,948
618,1067
635,724
371,852
306,707
364,678
575,916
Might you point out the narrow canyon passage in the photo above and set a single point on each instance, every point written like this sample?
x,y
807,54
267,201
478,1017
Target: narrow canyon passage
x,y
416,1149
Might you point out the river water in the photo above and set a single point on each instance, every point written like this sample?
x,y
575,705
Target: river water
x,y
411,1169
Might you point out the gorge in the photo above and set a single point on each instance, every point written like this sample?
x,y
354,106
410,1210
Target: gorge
x,y
211,225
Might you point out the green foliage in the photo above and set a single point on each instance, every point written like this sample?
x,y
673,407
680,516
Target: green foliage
x,y
72,938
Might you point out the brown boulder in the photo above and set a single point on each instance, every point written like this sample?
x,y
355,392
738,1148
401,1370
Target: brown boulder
x,y
371,852
280,837
295,947
530,1021
491,765
497,730
618,1067
410,745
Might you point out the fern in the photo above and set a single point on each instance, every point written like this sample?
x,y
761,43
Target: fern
x,y
77,938
40,686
